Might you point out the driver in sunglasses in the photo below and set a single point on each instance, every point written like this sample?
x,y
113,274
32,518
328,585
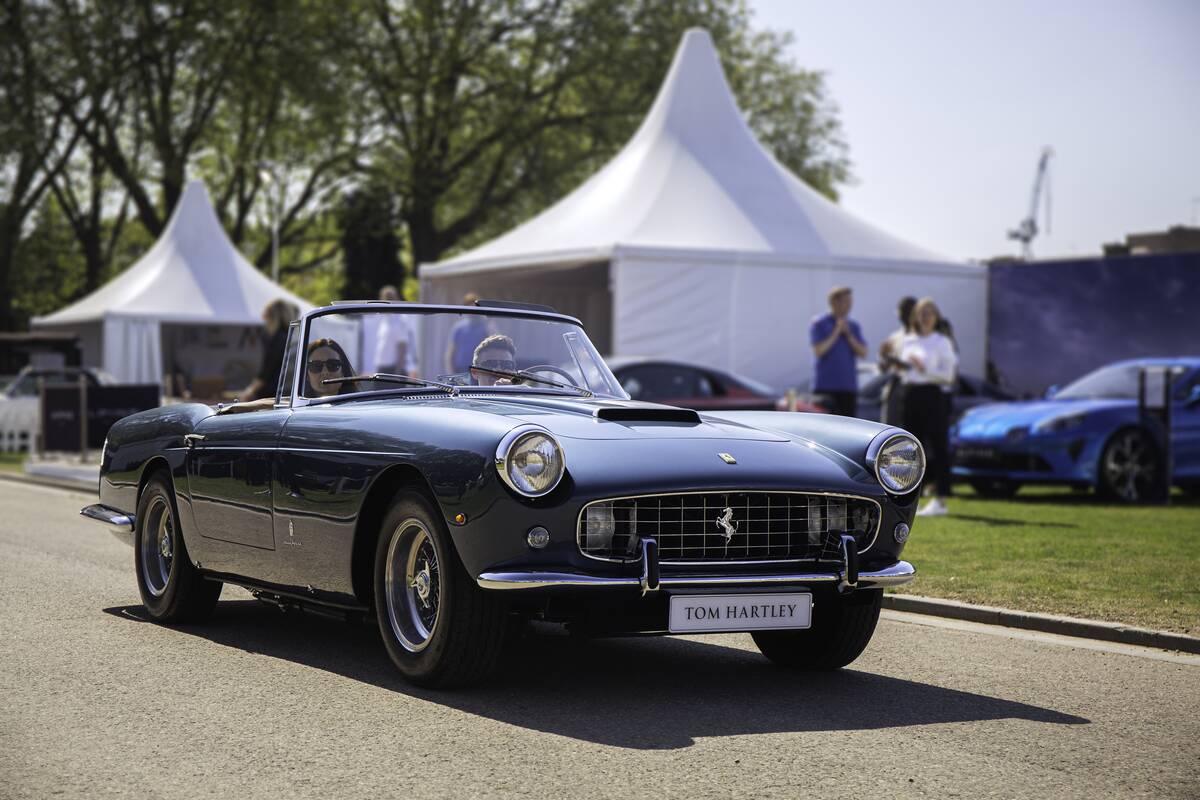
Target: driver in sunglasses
x,y
495,352
325,360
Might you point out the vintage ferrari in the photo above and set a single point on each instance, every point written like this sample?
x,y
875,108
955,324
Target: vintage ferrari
x,y
451,471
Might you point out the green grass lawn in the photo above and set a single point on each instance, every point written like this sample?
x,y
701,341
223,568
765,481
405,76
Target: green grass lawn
x,y
11,462
1058,552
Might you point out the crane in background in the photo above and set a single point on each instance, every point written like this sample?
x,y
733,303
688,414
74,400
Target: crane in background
x,y
1028,228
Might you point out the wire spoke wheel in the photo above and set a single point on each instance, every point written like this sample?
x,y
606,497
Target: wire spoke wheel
x,y
158,546
1130,466
413,585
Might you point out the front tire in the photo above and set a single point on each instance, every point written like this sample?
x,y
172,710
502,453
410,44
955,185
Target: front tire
x,y
1129,467
172,589
440,629
841,629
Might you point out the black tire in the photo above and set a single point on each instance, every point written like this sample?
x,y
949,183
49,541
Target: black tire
x,y
441,630
1130,469
172,589
995,488
841,629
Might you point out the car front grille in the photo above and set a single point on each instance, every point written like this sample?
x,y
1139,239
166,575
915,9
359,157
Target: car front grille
x,y
724,527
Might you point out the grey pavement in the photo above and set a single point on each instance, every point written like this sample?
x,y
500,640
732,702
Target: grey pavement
x,y
96,702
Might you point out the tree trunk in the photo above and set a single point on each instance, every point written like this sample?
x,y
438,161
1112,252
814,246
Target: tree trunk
x,y
423,237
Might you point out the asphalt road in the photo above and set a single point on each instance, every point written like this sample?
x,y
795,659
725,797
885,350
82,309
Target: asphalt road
x,y
95,702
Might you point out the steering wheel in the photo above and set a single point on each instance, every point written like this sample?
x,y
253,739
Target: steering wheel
x,y
566,376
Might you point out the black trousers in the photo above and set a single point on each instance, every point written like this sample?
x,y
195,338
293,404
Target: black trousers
x,y
843,403
927,416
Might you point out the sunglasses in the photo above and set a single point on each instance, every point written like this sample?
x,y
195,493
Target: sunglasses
x,y
329,364
505,364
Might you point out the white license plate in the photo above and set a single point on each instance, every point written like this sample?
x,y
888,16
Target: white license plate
x,y
739,612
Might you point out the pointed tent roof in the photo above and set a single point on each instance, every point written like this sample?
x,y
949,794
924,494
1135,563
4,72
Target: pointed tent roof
x,y
193,273
693,177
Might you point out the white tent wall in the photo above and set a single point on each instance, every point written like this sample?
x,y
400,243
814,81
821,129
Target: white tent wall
x,y
580,290
751,314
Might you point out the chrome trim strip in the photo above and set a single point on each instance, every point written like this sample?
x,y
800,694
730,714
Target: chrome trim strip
x,y
208,448
897,574
583,512
506,445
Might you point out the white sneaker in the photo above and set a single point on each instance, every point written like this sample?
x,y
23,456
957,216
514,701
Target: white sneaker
x,y
934,508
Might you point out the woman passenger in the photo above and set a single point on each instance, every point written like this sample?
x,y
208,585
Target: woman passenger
x,y
325,360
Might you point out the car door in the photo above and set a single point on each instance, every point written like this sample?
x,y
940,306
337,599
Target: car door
x,y
230,468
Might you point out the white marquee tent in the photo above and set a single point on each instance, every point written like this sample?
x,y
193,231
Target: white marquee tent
x,y
694,243
193,282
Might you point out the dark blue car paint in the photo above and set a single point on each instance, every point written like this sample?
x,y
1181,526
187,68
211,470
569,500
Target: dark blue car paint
x,y
275,496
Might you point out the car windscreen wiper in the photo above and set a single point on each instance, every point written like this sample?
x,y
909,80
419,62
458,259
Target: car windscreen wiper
x,y
529,376
385,377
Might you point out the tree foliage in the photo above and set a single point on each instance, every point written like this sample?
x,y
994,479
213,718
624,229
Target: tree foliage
x,y
446,121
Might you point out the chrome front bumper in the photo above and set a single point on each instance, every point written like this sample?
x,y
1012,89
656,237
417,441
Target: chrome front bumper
x,y
846,579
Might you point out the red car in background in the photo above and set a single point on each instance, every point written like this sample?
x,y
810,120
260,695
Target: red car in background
x,y
702,388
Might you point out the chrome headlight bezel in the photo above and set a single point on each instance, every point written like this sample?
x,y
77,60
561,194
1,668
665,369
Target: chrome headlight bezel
x,y
508,445
879,445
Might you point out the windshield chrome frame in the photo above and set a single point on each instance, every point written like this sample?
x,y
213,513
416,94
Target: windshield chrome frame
x,y
368,306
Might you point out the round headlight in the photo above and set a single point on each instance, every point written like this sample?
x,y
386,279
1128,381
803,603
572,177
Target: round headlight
x,y
530,461
900,463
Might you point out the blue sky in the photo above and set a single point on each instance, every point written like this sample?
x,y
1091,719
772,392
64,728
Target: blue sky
x,y
946,106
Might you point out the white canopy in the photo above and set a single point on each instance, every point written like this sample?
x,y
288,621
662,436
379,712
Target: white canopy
x,y
715,252
192,275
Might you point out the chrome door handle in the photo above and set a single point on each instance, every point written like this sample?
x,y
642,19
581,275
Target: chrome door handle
x,y
190,439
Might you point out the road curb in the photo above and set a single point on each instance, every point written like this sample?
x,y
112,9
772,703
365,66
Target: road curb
x,y
54,483
1046,623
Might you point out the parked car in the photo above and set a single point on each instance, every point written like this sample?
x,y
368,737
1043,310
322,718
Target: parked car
x,y
1089,434
678,383
19,415
970,392
529,486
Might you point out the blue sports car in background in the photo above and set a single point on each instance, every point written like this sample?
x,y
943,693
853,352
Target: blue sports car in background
x,y
1089,434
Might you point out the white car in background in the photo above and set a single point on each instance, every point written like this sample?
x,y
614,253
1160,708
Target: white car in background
x,y
19,421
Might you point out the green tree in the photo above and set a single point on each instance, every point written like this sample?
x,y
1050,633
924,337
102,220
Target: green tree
x,y
489,110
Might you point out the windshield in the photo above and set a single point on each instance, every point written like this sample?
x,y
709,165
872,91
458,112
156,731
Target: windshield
x,y
1119,381
443,351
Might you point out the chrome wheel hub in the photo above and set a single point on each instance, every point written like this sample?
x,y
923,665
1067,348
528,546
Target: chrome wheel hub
x,y
412,585
157,546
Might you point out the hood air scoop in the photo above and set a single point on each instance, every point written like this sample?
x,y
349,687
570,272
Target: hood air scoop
x,y
625,414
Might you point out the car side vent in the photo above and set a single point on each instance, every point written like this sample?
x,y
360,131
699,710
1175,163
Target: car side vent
x,y
618,414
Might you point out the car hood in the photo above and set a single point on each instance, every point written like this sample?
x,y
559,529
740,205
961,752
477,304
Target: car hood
x,y
654,452
997,419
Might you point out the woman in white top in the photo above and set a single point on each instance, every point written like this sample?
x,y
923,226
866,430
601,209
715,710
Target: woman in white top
x,y
928,382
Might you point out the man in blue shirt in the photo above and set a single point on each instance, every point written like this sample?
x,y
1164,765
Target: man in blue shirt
x,y
466,335
836,342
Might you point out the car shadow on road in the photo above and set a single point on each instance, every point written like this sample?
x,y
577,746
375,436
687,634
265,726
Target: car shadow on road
x,y
651,693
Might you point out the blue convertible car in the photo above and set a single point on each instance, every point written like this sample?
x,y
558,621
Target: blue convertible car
x,y
1089,434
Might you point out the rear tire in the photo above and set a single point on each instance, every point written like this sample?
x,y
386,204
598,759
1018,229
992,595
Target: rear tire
x,y
440,629
172,589
995,488
841,629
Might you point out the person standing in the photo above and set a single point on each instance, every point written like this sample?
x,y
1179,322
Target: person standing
x,y
395,340
465,336
891,398
276,317
836,342
932,370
